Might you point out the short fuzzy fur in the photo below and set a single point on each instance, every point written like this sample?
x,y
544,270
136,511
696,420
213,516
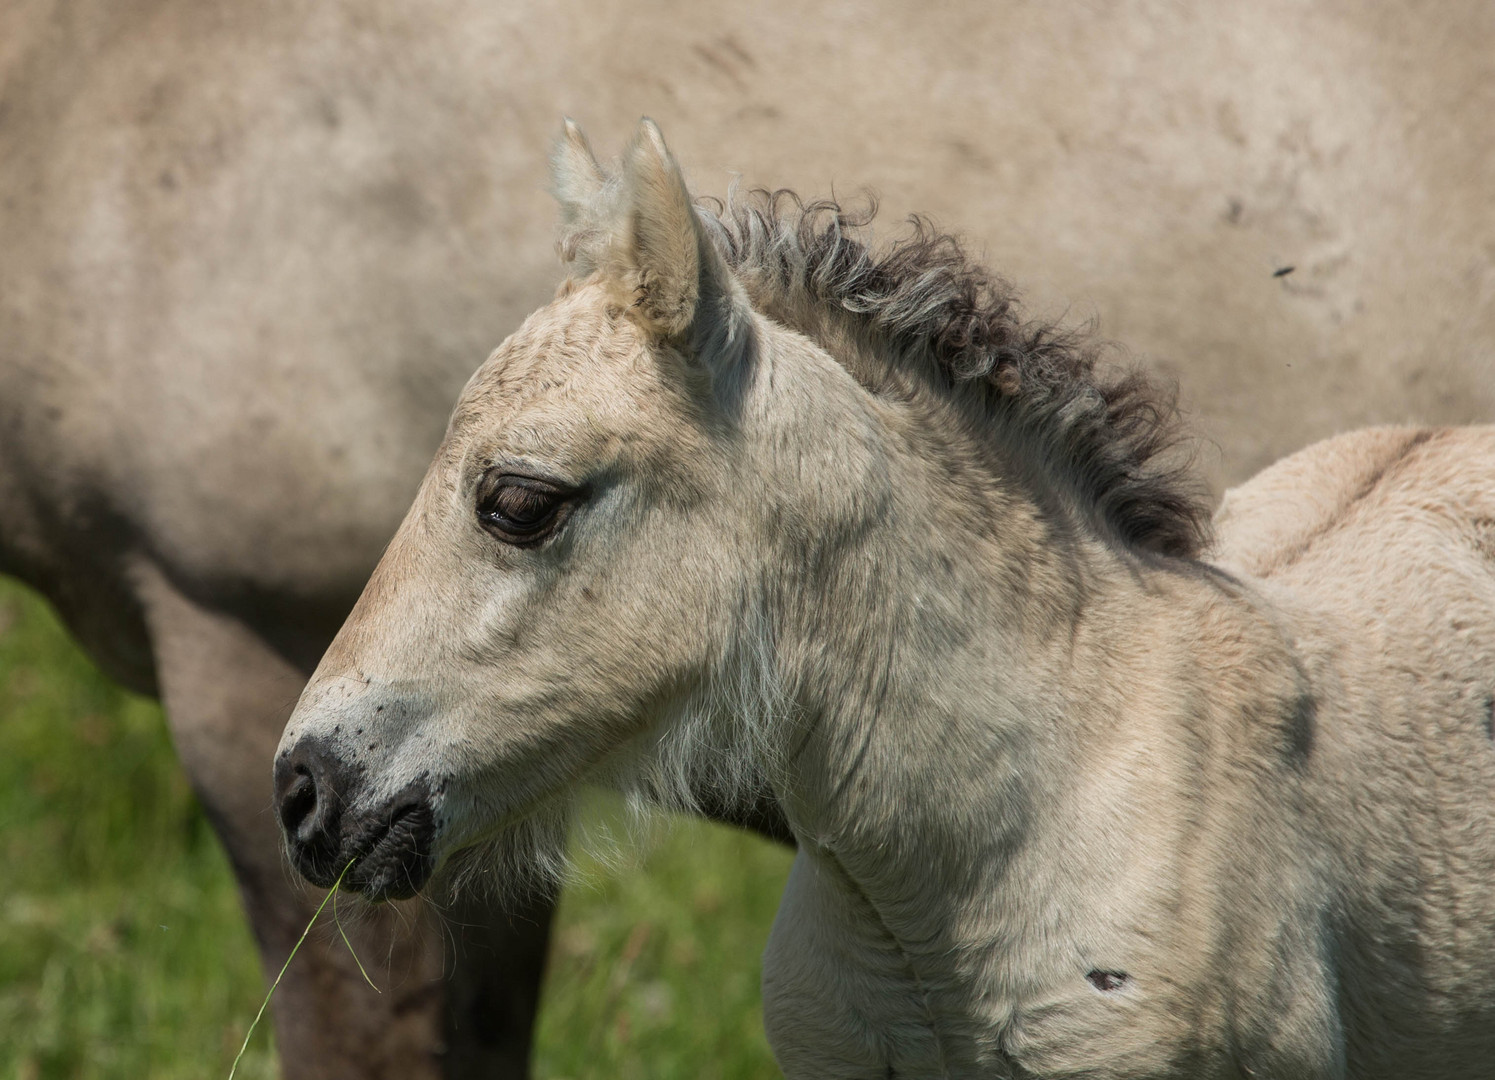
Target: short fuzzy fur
x,y
712,753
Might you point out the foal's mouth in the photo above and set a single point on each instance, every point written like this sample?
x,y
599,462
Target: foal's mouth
x,y
393,859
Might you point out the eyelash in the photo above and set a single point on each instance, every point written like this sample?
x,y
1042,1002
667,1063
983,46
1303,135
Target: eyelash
x,y
535,508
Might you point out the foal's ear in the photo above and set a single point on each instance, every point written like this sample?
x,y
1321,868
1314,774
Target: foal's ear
x,y
580,185
679,286
575,176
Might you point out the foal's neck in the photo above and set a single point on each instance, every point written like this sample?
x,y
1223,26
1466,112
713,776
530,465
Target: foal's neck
x,y
957,660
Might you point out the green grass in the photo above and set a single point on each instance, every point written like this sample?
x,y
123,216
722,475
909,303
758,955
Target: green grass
x,y
123,951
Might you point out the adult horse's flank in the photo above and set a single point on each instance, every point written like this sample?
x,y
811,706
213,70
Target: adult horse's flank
x,y
751,503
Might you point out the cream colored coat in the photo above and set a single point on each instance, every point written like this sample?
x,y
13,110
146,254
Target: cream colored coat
x,y
1066,805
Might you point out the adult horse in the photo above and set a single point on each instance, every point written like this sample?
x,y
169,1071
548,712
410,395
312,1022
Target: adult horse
x,y
251,252
751,503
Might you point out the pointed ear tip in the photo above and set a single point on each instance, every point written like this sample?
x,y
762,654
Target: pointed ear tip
x,y
650,135
572,135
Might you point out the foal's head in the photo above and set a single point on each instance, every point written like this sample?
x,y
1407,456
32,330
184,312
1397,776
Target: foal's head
x,y
647,500
583,561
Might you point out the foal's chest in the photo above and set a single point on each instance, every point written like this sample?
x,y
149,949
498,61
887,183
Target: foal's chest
x,y
843,1000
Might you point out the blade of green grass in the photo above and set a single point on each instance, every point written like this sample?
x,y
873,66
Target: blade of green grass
x,y
343,934
284,967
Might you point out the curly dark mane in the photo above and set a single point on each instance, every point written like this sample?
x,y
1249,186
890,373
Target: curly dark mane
x,y
1111,429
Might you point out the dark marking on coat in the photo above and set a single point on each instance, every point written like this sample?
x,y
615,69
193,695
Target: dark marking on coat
x,y
732,45
1283,271
729,58
1390,467
1490,717
1107,981
1484,537
1301,726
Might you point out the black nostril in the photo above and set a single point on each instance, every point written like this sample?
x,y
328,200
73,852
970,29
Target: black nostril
x,y
311,786
299,801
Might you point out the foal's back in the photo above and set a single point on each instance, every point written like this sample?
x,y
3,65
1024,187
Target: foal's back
x,y
1380,545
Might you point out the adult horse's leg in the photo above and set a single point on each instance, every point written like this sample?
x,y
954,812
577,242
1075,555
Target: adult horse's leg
x,y
492,986
227,694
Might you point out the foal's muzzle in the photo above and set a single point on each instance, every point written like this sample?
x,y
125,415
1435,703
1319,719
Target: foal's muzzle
x,y
390,847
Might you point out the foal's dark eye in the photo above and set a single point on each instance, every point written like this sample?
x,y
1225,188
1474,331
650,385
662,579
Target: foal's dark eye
x,y
521,510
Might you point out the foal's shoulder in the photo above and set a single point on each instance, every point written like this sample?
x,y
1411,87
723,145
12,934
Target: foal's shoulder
x,y
1275,518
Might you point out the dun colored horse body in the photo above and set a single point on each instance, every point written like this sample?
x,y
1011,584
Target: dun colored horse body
x,y
752,504
251,252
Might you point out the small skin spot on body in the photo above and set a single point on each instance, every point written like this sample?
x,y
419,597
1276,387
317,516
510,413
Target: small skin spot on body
x,y
1490,717
1107,981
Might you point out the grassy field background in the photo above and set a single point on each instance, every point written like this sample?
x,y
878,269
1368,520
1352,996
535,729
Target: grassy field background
x,y
123,952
